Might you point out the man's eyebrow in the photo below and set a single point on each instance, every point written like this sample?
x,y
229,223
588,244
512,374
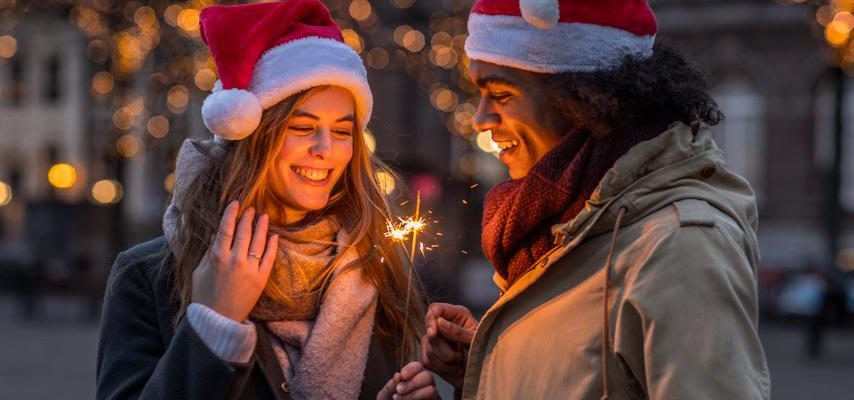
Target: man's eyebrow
x,y
493,79
298,113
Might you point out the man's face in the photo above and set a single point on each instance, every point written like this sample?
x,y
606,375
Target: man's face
x,y
515,107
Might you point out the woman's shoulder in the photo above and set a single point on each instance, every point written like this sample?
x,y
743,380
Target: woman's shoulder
x,y
144,263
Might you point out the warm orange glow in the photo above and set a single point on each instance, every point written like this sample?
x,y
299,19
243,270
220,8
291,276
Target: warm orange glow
x,y
353,40
106,192
838,30
158,126
377,58
360,10
123,118
62,176
413,41
178,98
399,32
188,20
444,99
103,83
169,182
485,143
170,15
145,17
386,182
8,46
370,141
5,194
205,79
128,146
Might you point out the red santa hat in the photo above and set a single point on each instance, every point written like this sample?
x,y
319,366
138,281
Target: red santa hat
x,y
552,36
266,52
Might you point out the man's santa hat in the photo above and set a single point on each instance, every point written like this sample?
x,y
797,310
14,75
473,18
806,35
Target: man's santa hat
x,y
551,36
266,52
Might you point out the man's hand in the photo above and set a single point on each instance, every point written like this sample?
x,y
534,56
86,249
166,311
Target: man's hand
x,y
413,382
444,349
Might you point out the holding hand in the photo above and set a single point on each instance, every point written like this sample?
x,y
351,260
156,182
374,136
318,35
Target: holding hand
x,y
234,271
444,349
413,382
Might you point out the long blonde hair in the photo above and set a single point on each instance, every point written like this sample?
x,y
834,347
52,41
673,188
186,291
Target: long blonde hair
x,y
357,202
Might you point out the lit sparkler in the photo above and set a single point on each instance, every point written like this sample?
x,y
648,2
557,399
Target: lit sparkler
x,y
399,232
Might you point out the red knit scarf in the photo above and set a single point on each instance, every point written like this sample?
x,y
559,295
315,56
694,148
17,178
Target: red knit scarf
x,y
518,214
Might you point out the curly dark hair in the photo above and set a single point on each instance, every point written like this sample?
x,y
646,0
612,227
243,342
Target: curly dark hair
x,y
638,94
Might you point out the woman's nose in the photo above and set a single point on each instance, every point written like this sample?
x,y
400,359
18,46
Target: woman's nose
x,y
322,146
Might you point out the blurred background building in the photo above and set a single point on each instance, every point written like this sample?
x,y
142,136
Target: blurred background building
x,y
96,97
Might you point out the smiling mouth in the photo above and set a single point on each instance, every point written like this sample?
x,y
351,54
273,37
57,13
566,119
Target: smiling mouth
x,y
316,175
507,144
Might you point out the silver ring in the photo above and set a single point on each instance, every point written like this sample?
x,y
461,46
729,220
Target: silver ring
x,y
251,254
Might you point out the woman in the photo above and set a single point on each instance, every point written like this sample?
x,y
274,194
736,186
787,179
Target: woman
x,y
273,279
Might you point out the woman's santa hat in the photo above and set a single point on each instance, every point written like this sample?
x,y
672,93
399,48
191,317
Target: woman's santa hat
x,y
266,52
551,36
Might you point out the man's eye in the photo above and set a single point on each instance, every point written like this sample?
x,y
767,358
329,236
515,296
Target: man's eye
x,y
500,97
343,132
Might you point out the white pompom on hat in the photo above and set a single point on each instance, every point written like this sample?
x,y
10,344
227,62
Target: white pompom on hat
x,y
552,36
266,52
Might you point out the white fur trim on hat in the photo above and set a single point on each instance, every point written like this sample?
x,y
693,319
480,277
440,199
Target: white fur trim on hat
x,y
302,64
232,114
568,46
543,14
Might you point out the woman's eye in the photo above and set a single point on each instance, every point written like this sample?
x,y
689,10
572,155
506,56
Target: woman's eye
x,y
343,132
301,128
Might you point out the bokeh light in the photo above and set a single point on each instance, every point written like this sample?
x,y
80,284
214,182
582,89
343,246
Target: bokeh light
x,y
370,141
5,194
485,144
128,146
158,126
178,98
169,182
106,192
103,83
62,176
386,182
8,46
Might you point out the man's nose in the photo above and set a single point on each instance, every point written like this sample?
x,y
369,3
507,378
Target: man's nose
x,y
485,118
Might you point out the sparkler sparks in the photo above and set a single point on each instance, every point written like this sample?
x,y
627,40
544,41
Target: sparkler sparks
x,y
400,232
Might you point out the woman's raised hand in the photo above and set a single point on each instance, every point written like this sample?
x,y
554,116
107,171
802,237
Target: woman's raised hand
x,y
233,272
413,382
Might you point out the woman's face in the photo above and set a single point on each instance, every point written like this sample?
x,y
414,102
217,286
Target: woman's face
x,y
318,147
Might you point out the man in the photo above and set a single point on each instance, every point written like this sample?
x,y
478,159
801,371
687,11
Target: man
x,y
624,249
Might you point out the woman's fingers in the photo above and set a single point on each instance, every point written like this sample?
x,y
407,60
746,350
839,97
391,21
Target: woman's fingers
x,y
225,232
424,393
388,390
410,370
414,386
243,236
259,239
269,257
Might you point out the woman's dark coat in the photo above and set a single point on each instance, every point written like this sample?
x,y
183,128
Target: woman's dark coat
x,y
143,355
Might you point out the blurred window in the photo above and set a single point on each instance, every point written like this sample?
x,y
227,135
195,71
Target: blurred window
x,y
53,84
823,140
741,135
16,85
